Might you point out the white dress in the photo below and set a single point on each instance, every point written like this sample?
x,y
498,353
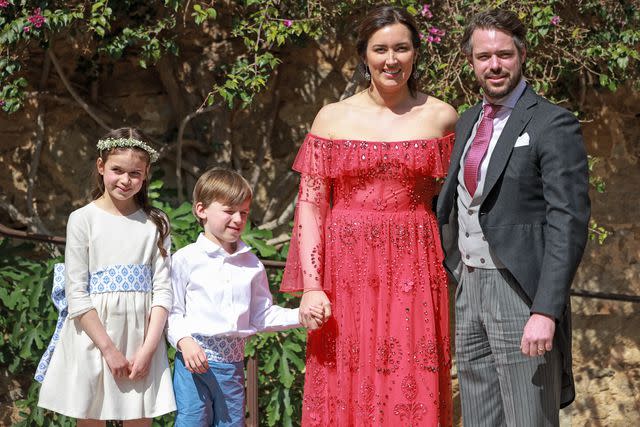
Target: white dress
x,y
112,265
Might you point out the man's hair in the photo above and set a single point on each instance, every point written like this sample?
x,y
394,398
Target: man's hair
x,y
220,185
499,19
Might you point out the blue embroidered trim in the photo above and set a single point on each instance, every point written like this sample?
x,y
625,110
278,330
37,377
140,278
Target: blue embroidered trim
x,y
122,278
116,278
222,349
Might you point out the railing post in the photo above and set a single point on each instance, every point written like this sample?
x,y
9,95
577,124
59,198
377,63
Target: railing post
x,y
252,391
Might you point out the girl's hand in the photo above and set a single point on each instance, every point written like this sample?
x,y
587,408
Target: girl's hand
x,y
312,301
140,363
194,358
118,364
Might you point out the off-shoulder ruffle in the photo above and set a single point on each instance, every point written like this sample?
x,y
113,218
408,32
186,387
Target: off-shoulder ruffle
x,y
331,158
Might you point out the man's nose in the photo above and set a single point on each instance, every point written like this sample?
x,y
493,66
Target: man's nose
x,y
494,62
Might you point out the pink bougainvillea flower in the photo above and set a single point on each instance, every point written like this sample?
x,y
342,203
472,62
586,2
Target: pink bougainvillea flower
x,y
555,20
1,102
4,3
37,19
288,22
426,11
437,31
26,29
421,35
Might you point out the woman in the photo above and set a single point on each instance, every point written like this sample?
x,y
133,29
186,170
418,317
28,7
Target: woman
x,y
365,243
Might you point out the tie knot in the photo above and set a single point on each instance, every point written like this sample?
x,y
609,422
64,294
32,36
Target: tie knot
x,y
490,110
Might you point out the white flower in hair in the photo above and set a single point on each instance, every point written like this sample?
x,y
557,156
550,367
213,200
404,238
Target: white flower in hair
x,y
110,143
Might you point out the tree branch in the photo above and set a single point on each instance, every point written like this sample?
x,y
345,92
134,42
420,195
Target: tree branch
x,y
264,145
35,159
179,160
73,93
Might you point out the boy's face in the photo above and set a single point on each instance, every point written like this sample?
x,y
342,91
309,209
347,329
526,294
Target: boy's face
x,y
224,224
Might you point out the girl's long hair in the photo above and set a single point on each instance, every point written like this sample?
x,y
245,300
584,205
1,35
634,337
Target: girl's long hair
x,y
141,198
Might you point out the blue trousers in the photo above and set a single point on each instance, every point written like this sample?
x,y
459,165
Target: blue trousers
x,y
212,399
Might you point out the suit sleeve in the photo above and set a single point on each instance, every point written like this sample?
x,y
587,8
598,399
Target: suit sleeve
x,y
565,187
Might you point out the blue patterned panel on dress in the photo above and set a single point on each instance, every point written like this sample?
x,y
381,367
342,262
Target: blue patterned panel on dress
x,y
115,278
222,349
60,301
122,278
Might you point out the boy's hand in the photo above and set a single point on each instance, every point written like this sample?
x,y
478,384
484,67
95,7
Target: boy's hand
x,y
140,363
118,364
194,358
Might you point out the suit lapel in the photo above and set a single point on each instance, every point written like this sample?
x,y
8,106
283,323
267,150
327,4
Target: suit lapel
x,y
518,119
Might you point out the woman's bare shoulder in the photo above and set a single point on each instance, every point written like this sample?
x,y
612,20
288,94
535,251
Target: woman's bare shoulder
x,y
333,116
440,112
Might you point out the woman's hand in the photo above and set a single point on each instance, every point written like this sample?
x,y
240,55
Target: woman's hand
x,y
195,360
118,364
315,309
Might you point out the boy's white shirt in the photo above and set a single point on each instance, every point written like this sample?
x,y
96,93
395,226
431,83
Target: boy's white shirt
x,y
221,294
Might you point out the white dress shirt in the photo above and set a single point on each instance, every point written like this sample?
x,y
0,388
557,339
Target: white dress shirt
x,y
222,294
473,246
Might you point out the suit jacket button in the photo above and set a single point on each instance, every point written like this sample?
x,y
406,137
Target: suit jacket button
x,y
470,212
466,234
468,256
482,260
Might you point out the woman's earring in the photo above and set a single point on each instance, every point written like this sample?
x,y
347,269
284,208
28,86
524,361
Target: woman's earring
x,y
415,74
367,74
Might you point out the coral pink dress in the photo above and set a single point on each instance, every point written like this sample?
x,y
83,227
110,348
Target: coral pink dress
x,y
365,233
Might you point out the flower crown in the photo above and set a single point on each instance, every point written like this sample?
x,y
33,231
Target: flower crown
x,y
110,143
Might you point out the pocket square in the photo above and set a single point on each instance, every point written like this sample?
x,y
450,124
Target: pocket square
x,y
522,141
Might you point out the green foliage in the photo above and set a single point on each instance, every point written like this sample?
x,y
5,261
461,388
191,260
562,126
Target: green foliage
x,y
591,39
27,321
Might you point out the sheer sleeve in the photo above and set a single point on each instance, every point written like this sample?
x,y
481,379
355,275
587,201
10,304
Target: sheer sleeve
x,y
305,261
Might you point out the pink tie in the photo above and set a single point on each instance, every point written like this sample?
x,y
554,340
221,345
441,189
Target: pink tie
x,y
479,148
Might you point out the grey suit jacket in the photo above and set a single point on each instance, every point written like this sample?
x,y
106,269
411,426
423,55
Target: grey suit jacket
x,y
535,209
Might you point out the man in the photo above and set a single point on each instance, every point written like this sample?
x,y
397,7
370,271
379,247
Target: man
x,y
513,215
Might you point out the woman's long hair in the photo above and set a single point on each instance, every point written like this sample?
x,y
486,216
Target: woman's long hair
x,y
141,197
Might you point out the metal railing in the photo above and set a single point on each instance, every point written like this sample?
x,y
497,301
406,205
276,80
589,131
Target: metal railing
x,y
252,362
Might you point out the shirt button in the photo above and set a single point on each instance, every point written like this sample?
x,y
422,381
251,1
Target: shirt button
x,y
468,256
470,212
482,260
466,234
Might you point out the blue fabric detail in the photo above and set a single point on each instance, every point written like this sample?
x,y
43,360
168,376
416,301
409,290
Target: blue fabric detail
x,y
116,278
222,349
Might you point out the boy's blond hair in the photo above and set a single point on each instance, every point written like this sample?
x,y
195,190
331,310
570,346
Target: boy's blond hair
x,y
220,185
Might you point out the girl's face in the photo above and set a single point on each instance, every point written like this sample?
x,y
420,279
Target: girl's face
x,y
390,56
123,174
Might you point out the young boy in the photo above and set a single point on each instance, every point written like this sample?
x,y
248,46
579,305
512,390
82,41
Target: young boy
x,y
221,296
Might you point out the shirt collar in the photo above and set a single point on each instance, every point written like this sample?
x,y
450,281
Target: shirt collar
x,y
212,248
512,97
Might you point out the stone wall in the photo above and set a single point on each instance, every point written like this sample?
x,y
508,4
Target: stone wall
x,y
607,355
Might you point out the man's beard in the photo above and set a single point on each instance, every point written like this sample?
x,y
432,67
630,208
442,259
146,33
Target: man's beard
x,y
501,92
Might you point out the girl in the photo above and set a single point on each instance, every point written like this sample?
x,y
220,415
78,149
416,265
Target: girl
x,y
111,362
